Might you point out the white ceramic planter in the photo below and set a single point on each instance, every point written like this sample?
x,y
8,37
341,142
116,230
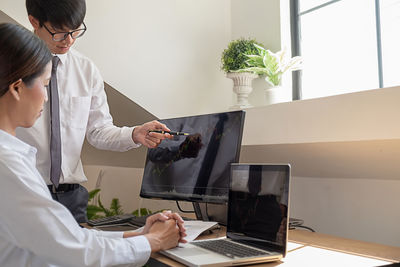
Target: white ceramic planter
x,y
277,94
242,88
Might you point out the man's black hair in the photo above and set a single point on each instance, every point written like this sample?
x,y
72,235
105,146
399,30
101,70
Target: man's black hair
x,y
59,13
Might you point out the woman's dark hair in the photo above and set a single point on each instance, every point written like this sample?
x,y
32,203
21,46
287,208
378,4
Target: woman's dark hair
x,y
59,13
22,56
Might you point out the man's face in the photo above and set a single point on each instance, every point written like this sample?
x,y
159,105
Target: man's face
x,y
56,47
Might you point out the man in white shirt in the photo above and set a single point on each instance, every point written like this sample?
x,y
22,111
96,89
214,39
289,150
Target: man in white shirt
x,y
83,108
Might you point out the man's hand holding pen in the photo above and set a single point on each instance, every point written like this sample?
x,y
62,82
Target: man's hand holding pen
x,y
145,135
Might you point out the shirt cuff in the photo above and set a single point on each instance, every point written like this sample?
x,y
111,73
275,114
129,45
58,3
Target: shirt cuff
x,y
127,138
141,249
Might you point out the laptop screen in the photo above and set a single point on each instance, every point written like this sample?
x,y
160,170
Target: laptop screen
x,y
258,205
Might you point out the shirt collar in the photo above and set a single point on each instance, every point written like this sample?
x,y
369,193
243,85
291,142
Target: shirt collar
x,y
8,140
62,57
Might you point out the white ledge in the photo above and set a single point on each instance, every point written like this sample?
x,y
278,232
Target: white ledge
x,y
366,115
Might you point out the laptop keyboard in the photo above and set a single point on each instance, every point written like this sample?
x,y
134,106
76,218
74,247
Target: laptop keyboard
x,y
229,249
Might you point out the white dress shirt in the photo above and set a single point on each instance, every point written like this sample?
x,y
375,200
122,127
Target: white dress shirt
x,y
83,111
37,231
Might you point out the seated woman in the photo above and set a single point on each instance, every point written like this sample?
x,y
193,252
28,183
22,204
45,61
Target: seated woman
x,y
34,229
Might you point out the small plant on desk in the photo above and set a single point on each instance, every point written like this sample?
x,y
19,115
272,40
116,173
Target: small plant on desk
x,y
96,209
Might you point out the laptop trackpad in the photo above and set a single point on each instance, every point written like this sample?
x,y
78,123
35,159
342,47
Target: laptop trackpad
x,y
189,251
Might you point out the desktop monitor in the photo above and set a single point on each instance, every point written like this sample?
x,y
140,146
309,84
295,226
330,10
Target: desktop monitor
x,y
196,166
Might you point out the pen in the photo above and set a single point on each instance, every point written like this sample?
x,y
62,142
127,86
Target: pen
x,y
169,132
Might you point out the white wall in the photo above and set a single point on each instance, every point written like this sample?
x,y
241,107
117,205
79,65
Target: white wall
x,y
269,23
360,209
165,54
176,71
16,10
258,19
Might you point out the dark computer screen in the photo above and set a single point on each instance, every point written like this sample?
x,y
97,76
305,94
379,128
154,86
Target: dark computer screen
x,y
258,204
195,167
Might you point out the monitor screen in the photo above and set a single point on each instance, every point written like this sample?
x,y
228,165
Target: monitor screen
x,y
196,166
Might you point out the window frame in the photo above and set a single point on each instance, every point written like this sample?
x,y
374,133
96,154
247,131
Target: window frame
x,y
295,32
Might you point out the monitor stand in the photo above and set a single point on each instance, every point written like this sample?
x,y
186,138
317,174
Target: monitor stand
x,y
200,211
211,212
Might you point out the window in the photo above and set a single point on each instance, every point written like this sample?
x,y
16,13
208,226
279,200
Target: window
x,y
347,45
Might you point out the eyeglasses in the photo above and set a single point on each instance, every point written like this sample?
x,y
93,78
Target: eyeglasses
x,y
61,36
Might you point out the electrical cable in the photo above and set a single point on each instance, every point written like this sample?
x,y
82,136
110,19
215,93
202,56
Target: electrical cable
x,y
305,227
298,223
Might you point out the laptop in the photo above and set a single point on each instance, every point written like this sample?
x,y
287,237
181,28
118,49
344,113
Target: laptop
x,y
257,220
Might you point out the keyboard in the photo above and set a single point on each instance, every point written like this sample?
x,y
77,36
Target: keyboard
x,y
124,218
229,249
117,219
139,221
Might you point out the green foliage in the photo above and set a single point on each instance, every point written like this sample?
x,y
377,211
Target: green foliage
x,y
143,212
115,206
93,193
96,209
92,212
93,209
234,57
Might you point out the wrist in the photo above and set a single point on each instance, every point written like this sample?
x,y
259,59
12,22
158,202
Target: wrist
x,y
130,234
155,242
133,135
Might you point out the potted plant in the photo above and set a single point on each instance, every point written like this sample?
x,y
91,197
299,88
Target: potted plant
x,y
234,64
272,66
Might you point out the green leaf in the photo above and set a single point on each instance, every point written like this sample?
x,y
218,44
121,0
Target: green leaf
x,y
93,193
274,80
259,48
107,212
94,208
255,61
143,212
92,212
115,207
270,63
